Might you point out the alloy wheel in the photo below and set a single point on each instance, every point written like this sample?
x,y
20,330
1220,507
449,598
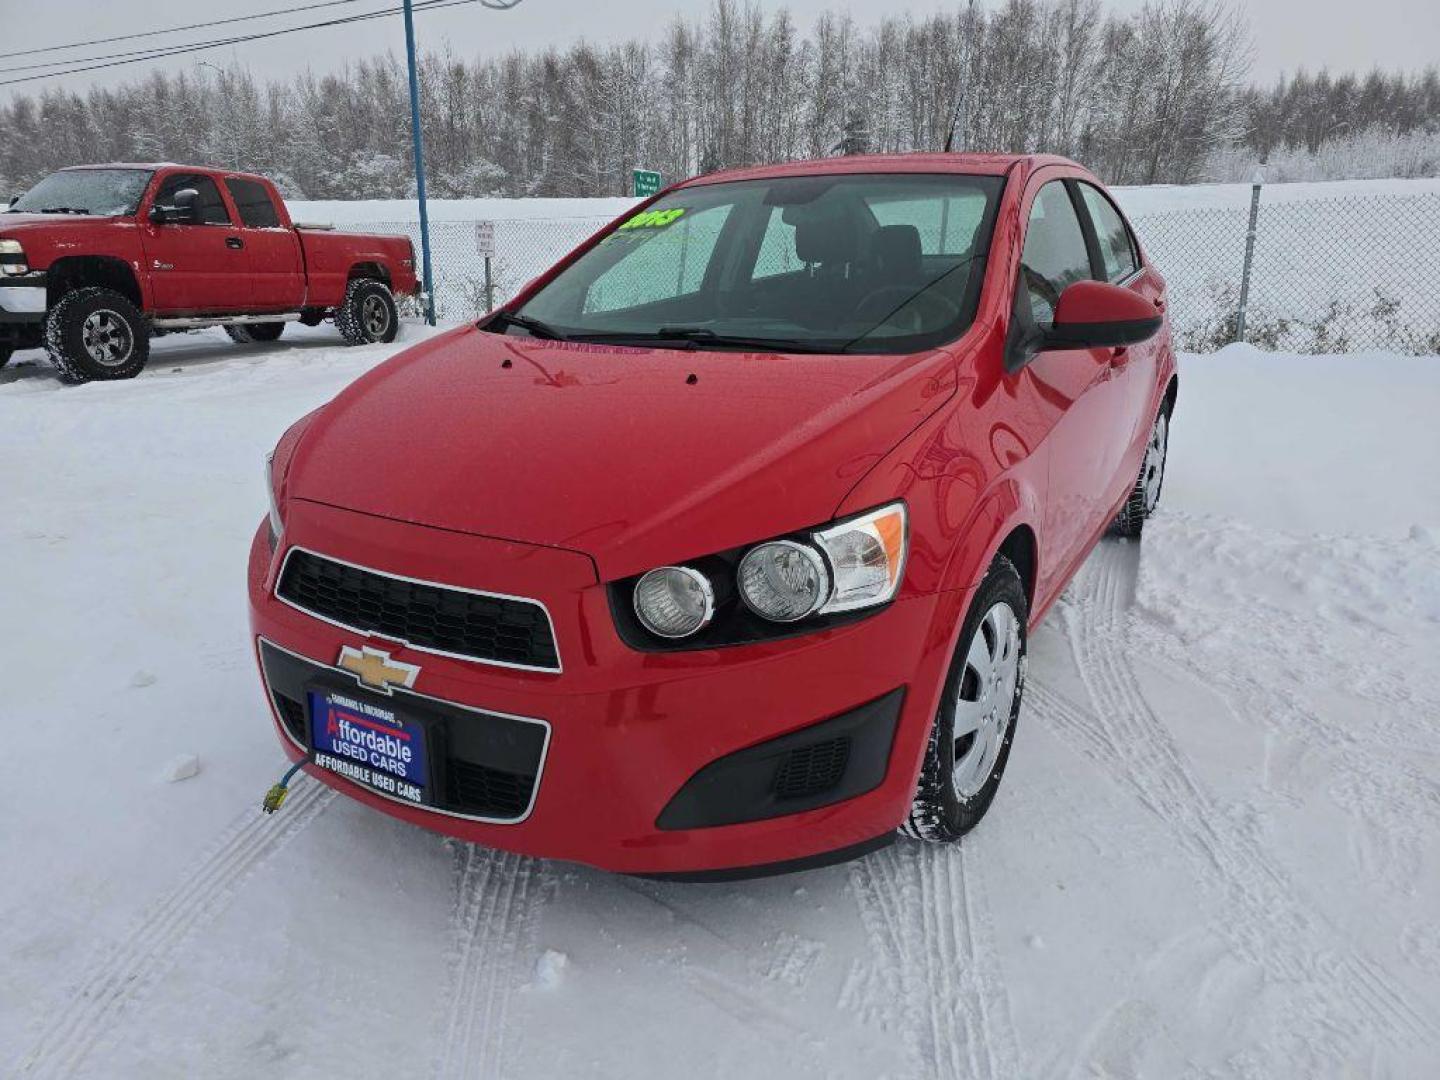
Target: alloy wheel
x,y
107,338
375,317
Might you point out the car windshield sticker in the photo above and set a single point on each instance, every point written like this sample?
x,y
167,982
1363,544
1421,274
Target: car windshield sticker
x,y
654,219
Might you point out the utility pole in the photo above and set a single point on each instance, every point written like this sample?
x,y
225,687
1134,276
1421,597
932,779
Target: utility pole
x,y
426,277
957,121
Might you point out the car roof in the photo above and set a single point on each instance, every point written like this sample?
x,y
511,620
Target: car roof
x,y
919,162
155,166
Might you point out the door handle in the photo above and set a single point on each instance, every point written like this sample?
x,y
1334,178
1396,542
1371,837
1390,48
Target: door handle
x,y
234,242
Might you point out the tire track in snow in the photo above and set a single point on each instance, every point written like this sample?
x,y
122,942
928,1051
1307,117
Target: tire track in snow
x,y
496,895
1269,925
927,918
132,967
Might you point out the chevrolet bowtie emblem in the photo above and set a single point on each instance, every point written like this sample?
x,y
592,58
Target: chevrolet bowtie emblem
x,y
375,669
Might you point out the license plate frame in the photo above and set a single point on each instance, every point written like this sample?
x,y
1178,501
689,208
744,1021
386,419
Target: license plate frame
x,y
363,737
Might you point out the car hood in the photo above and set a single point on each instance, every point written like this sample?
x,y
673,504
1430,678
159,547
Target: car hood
x,y
23,222
636,457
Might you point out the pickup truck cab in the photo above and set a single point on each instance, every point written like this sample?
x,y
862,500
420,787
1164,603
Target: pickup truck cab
x,y
97,259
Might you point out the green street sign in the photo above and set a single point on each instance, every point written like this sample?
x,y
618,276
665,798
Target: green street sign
x,y
647,183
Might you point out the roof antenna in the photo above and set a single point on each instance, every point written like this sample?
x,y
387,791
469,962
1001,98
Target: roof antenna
x,y
960,94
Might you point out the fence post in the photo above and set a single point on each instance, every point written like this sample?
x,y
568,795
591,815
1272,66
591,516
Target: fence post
x,y
489,287
1255,187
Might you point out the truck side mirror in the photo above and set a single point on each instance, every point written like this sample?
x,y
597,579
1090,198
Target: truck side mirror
x,y
180,212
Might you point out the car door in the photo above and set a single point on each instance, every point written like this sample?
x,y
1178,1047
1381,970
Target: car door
x,y
197,267
277,273
1075,387
1135,370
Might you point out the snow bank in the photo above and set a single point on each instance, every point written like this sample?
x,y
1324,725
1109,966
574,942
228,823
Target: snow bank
x,y
1333,444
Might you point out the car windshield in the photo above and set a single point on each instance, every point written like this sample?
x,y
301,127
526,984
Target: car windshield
x,y
102,192
837,263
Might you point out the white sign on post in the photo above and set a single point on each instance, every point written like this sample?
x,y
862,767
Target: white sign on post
x,y
485,238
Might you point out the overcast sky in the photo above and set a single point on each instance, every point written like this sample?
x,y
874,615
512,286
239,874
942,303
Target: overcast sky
x,y
1343,34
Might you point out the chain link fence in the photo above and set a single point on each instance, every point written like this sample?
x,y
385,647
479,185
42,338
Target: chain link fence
x,y
1325,276
524,248
1361,272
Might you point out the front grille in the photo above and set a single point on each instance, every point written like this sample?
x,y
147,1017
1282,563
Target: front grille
x,y
811,770
475,625
478,789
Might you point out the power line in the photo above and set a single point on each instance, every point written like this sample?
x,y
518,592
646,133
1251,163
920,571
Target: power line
x,y
123,59
176,29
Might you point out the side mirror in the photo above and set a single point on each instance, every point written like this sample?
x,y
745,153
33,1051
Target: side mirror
x,y
181,212
1089,315
1098,315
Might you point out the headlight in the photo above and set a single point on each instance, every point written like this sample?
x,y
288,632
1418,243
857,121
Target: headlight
x,y
674,601
277,523
867,555
806,580
12,258
783,581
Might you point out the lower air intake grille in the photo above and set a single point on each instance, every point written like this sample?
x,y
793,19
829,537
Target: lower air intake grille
x,y
812,769
480,626
477,789
292,712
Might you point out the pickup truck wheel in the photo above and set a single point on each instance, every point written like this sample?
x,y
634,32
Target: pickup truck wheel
x,y
245,333
970,739
367,314
95,333
1145,495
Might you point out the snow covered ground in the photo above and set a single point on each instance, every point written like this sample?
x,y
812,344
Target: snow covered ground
x,y
1216,852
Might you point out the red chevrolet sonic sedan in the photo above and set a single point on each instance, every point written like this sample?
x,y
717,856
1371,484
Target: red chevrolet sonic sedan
x,y
715,551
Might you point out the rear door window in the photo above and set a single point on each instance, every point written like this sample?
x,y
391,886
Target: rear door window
x,y
209,207
1117,248
257,209
1055,255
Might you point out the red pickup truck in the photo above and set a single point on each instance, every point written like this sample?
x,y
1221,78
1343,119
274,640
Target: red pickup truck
x,y
97,259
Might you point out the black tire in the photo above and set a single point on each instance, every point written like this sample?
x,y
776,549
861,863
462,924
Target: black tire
x,y
95,333
245,333
1145,494
5,353
942,812
367,315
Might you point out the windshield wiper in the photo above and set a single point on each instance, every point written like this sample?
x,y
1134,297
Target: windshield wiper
x,y
534,326
701,335
64,210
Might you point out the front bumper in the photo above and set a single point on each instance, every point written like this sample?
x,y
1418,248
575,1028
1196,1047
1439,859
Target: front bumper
x,y
628,732
22,299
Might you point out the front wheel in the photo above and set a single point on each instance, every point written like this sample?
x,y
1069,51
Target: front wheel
x,y
970,740
96,333
367,315
1145,495
245,333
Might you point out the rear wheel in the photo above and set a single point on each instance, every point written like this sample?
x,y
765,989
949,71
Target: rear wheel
x,y
245,333
970,740
367,315
95,333
1145,495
